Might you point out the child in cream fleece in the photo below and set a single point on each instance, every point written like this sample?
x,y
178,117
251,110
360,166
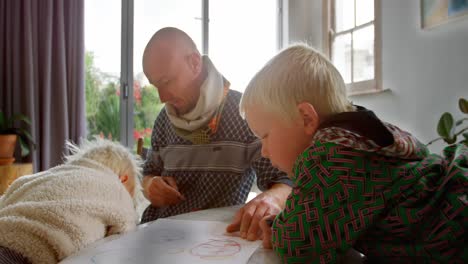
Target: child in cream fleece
x,y
50,215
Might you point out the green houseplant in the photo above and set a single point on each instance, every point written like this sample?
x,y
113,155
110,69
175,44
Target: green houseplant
x,y
10,133
450,130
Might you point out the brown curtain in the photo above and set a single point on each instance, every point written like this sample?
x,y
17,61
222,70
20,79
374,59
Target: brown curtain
x,y
42,71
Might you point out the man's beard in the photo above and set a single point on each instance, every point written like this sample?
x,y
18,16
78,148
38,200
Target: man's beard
x,y
187,109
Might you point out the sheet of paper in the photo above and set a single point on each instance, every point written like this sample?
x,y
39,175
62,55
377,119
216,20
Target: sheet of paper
x,y
171,241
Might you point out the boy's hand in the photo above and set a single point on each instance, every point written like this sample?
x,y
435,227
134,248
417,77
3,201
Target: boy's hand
x,y
265,226
161,191
247,219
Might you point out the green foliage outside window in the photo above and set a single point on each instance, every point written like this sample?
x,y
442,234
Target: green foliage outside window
x,y
102,104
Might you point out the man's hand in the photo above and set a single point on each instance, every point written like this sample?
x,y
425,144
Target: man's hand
x,y
161,191
247,219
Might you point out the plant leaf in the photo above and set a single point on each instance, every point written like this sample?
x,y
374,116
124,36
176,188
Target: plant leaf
x,y
463,104
26,136
465,135
451,140
19,117
24,148
444,127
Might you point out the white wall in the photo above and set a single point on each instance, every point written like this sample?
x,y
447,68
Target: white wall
x,y
425,70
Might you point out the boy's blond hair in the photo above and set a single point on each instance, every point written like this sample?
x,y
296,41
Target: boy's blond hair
x,y
295,75
110,154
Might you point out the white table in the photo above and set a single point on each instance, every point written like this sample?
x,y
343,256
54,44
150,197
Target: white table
x,y
226,214
223,215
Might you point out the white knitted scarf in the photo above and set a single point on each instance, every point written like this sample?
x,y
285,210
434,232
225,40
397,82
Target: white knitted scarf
x,y
211,96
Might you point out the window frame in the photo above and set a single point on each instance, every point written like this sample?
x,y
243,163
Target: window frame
x,y
360,87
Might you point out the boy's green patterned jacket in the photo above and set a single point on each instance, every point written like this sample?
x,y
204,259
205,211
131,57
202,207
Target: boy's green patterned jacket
x,y
371,186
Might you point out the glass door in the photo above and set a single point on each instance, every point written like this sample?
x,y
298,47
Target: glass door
x,y
102,72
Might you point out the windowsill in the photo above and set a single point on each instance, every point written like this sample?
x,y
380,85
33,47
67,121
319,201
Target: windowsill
x,y
369,92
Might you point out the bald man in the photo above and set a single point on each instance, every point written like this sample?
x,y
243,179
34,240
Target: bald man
x,y
203,154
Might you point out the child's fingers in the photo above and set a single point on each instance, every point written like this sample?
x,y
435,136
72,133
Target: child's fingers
x,y
267,242
265,226
266,222
235,224
247,219
254,227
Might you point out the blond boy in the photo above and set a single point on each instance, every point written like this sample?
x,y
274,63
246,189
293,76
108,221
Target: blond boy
x,y
360,182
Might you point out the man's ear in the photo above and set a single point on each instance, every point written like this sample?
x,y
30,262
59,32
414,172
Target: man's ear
x,y
194,60
123,178
309,117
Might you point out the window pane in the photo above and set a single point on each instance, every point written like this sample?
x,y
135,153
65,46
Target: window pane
x,y
341,55
364,11
344,15
241,41
363,44
102,62
149,17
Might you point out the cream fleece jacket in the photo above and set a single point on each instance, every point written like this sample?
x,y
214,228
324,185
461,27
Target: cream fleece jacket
x,y
53,214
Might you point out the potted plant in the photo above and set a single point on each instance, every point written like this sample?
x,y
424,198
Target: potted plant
x,y
450,130
10,134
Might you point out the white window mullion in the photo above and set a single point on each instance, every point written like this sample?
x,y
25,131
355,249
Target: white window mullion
x,y
355,23
377,46
281,18
205,25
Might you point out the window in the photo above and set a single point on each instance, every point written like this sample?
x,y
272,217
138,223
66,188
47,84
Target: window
x,y
120,102
241,41
352,40
149,17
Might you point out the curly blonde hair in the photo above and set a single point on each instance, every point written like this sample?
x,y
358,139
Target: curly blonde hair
x,y
110,154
